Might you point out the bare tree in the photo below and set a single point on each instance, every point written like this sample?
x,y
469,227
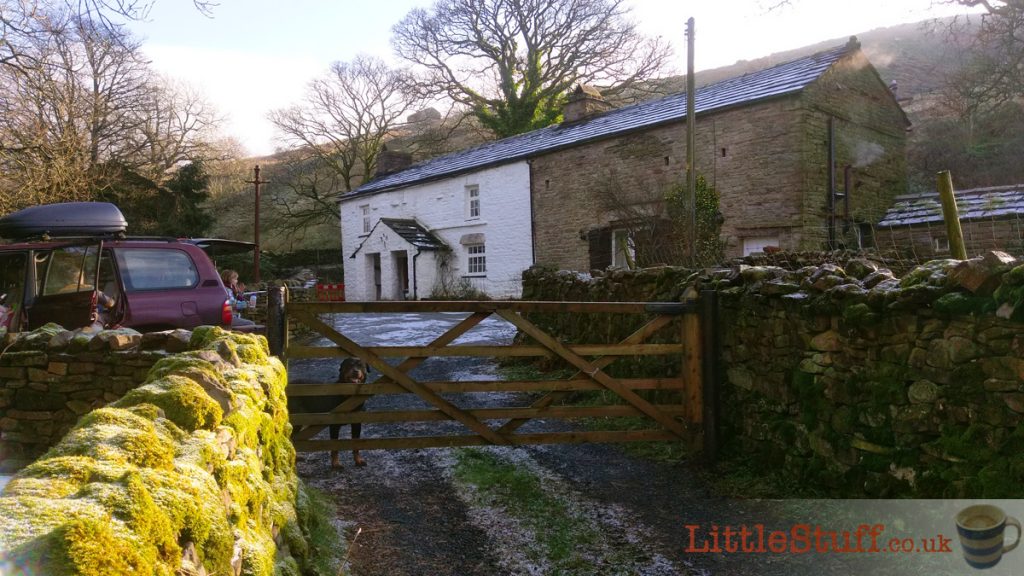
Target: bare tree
x,y
176,125
304,200
22,21
87,114
44,146
346,117
512,61
995,71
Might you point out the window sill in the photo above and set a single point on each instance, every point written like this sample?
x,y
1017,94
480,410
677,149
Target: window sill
x,y
484,275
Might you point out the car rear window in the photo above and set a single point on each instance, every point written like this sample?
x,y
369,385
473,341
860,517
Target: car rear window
x,y
156,269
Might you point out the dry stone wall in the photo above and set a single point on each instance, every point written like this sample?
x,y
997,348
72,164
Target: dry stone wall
x,y
852,381
192,472
51,377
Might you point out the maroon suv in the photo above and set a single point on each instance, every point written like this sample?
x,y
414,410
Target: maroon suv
x,y
78,270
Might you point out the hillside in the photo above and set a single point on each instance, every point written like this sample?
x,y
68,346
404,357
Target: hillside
x,y
916,56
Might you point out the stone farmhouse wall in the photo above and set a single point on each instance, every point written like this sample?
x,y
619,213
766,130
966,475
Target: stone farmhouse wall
x,y
852,381
192,472
768,161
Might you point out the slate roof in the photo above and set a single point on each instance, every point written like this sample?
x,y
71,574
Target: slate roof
x,y
787,78
975,204
411,231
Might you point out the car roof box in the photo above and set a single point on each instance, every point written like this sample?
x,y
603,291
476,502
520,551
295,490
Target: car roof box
x,y
65,219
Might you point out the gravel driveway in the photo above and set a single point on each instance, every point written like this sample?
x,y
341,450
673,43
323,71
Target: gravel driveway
x,y
415,516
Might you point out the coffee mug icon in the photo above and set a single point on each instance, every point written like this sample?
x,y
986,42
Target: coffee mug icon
x,y
981,529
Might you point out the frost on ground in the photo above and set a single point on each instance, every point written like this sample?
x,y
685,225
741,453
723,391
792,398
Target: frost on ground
x,y
608,539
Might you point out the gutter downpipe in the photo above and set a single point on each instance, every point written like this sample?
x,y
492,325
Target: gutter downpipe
x,y
831,199
533,222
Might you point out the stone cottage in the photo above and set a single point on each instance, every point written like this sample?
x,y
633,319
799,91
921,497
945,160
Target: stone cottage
x,y
990,219
805,154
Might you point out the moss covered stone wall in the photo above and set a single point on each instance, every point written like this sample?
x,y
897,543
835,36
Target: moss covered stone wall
x,y
190,473
854,381
51,377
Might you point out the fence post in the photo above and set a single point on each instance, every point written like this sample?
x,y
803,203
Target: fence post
x,y
693,397
277,331
709,359
954,233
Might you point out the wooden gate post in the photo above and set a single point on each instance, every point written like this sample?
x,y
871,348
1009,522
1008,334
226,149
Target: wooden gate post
x,y
710,356
693,381
277,330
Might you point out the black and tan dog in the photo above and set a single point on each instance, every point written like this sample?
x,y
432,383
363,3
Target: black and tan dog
x,y
352,371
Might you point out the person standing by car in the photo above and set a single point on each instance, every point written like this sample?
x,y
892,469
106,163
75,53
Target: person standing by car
x,y
234,290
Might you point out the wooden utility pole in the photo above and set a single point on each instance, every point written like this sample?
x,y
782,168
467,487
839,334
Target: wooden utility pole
x,y
256,233
952,216
691,142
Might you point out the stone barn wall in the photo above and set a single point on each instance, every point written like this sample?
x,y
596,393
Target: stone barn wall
x,y
980,236
854,381
768,160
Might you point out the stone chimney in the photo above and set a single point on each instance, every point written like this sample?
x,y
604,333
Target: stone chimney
x,y
389,161
584,102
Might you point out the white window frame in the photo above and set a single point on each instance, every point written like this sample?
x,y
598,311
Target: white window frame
x,y
474,208
940,244
476,260
623,256
755,244
366,218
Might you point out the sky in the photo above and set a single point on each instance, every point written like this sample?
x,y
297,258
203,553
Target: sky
x,y
254,56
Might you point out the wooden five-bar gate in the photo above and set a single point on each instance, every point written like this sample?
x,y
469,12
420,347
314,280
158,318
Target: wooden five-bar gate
x,y
686,331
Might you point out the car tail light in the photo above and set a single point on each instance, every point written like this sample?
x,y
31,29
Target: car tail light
x,y
225,314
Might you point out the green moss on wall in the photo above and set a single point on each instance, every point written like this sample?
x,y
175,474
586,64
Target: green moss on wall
x,y
183,401
166,466
860,314
960,304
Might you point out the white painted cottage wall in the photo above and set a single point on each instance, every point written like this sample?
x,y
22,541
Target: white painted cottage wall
x,y
383,241
442,208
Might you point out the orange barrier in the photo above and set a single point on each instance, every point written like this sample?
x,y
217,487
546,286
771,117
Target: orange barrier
x,y
330,292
